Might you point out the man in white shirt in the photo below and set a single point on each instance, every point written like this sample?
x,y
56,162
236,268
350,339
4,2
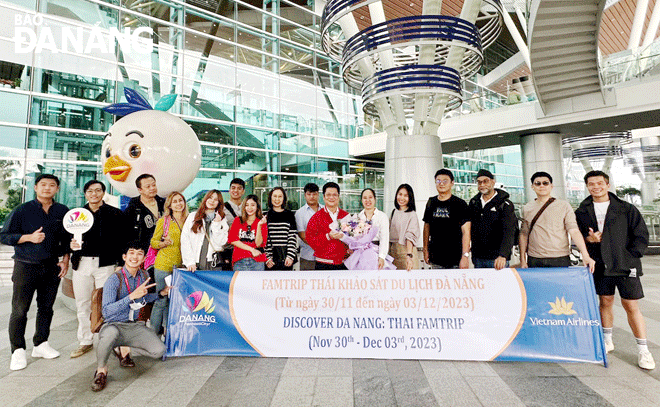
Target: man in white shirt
x,y
303,215
617,238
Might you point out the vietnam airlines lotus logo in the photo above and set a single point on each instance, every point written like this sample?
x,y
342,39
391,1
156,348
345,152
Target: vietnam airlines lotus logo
x,y
77,216
561,307
200,300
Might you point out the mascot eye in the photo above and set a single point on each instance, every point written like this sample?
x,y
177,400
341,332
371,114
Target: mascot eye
x,y
107,153
134,151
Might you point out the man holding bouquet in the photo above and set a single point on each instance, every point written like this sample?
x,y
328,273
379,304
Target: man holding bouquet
x,y
322,231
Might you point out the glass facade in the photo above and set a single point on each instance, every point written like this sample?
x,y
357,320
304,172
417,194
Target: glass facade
x,y
504,162
267,104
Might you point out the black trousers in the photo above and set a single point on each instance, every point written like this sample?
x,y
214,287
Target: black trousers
x,y
324,266
279,257
534,262
29,278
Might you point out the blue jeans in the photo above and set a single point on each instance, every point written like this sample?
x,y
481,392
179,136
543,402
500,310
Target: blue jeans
x,y
161,305
486,263
249,264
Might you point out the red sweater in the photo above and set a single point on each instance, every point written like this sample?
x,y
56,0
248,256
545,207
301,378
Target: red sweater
x,y
326,250
239,231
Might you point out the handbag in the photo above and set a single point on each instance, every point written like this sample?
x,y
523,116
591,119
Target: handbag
x,y
150,259
216,257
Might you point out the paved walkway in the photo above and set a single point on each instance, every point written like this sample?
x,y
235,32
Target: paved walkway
x,y
239,381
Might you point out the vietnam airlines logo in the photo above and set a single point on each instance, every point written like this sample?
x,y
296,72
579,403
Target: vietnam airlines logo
x,y
561,307
200,300
77,217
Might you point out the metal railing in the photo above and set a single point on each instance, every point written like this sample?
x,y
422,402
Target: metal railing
x,y
628,65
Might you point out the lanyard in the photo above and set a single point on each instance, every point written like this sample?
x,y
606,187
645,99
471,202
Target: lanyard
x,y
128,287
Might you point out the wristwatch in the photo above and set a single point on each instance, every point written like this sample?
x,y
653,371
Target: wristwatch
x,y
466,254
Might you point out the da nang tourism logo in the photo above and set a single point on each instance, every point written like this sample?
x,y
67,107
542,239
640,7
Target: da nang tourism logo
x,y
78,221
200,307
33,32
563,308
77,217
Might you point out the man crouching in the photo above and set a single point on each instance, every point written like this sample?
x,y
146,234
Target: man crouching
x,y
124,293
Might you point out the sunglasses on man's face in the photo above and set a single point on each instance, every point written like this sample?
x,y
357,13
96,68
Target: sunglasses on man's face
x,y
539,183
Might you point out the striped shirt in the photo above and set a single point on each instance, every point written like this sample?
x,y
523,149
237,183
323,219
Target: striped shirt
x,y
282,232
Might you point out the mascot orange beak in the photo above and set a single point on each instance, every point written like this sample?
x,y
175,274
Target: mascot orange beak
x,y
117,168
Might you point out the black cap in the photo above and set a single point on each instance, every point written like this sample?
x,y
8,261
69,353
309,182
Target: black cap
x,y
485,173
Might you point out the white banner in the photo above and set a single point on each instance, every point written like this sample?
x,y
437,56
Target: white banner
x,y
444,314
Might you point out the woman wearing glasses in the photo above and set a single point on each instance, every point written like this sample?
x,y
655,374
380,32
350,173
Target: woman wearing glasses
x,y
248,234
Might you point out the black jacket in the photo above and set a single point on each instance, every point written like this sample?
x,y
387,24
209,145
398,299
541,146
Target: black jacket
x,y
625,236
27,218
493,227
112,227
141,223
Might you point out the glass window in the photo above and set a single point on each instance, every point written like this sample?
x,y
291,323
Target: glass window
x,y
297,116
256,138
81,12
64,146
296,163
75,86
256,110
215,102
254,160
333,148
205,181
69,115
302,56
297,143
217,157
293,89
214,133
16,107
303,35
73,177
14,75
334,170
12,141
257,81
28,4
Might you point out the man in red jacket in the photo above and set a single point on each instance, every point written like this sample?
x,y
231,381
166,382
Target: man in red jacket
x,y
322,231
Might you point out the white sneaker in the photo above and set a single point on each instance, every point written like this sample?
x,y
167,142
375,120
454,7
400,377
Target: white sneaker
x,y
44,351
645,360
609,346
18,360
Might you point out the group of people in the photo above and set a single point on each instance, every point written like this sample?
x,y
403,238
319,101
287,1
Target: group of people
x,y
238,235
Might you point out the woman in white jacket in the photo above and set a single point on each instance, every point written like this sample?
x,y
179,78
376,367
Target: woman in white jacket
x,y
204,233
379,220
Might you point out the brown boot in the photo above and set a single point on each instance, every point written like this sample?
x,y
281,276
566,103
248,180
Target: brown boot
x,y
100,380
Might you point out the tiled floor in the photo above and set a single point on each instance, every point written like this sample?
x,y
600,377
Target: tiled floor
x,y
237,381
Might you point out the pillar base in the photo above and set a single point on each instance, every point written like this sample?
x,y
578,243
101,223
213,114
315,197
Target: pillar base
x,y
413,160
543,152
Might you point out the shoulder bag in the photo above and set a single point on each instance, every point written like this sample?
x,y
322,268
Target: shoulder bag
x,y
536,217
150,259
216,258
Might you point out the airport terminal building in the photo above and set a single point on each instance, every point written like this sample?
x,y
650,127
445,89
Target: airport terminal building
x,y
266,102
